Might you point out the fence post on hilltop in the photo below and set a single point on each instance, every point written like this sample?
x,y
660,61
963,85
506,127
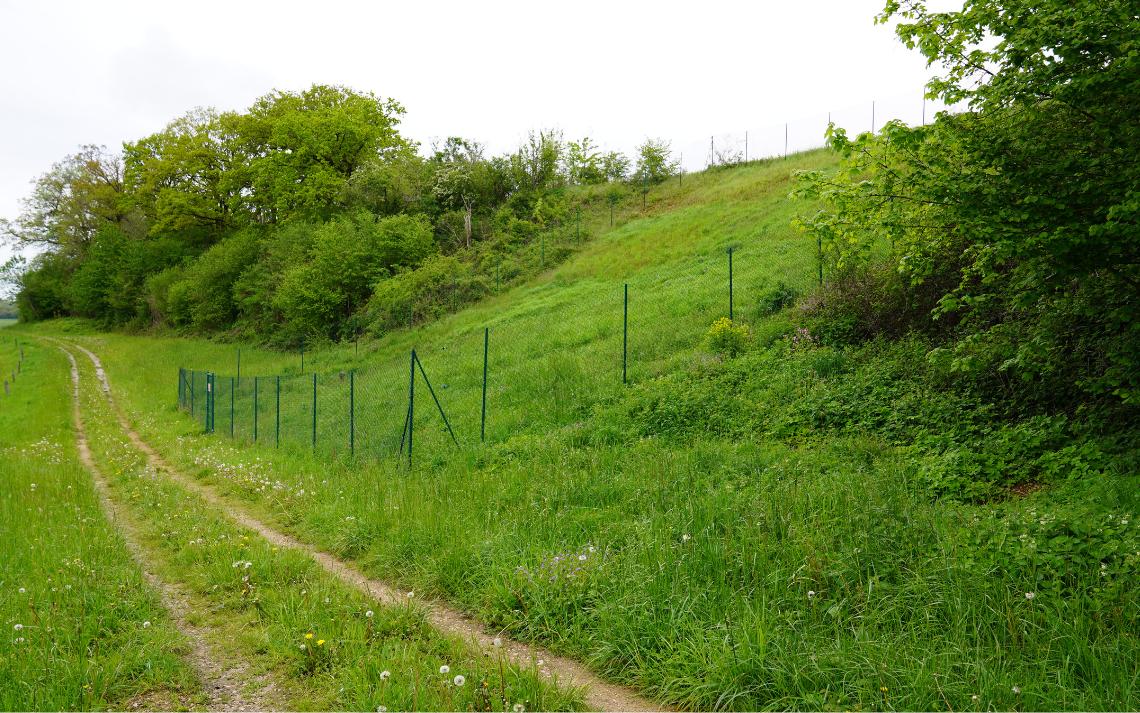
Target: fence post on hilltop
x,y
352,412
625,334
483,416
232,406
314,411
277,417
192,385
255,409
730,315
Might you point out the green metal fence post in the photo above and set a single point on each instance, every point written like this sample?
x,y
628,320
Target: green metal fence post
x,y
625,334
277,417
209,402
231,407
255,409
410,430
730,315
192,386
352,412
314,411
483,416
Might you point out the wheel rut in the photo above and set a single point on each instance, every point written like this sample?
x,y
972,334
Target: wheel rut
x,y
599,694
225,685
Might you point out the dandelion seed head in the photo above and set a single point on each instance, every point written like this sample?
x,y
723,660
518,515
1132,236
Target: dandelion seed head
x,y
811,594
22,590
1016,689
497,642
1030,595
459,680
146,624
445,669
368,614
385,675
518,708
18,627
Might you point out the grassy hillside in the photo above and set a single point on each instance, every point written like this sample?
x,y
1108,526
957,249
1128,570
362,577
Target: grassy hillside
x,y
801,526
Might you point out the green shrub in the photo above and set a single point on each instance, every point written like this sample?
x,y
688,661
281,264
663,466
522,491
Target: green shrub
x,y
728,338
776,298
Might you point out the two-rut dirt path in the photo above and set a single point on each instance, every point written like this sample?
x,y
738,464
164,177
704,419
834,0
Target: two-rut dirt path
x,y
600,695
225,685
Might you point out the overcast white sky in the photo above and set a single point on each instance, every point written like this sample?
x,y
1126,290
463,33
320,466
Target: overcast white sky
x,y
106,72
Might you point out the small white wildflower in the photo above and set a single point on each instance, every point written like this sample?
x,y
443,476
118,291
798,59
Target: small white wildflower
x,y
1016,689
497,642
385,675
146,624
22,590
518,708
18,627
445,669
18,640
581,558
459,680
411,595
368,614
540,662
686,537
381,709
1030,595
974,697
811,594
303,647
326,600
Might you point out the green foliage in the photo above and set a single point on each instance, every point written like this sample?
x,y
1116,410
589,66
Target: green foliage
x,y
654,162
1040,269
779,296
347,257
201,296
728,338
437,287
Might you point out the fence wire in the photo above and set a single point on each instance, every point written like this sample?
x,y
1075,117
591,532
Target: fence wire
x,y
550,357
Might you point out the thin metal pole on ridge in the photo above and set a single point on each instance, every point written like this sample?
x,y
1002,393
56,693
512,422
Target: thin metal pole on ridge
x,y
314,411
231,407
255,409
352,412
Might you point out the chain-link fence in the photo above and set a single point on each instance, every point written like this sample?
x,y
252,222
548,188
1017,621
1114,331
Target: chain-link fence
x,y
12,363
539,363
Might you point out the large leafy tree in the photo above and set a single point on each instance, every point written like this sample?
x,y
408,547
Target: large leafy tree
x,y
1026,206
183,177
71,202
302,148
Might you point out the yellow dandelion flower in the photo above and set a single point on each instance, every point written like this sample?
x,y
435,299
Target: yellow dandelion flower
x,y
320,642
309,635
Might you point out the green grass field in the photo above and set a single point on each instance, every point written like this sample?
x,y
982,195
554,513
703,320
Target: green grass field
x,y
81,630
756,533
6,322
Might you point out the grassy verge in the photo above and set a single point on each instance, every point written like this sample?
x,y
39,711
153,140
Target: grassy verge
x,y
81,629
331,646
759,532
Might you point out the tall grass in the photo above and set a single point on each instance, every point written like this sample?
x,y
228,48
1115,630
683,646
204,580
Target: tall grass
x,y
707,533
81,629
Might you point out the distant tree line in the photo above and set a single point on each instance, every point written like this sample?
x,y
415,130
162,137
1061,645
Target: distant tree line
x,y
282,221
